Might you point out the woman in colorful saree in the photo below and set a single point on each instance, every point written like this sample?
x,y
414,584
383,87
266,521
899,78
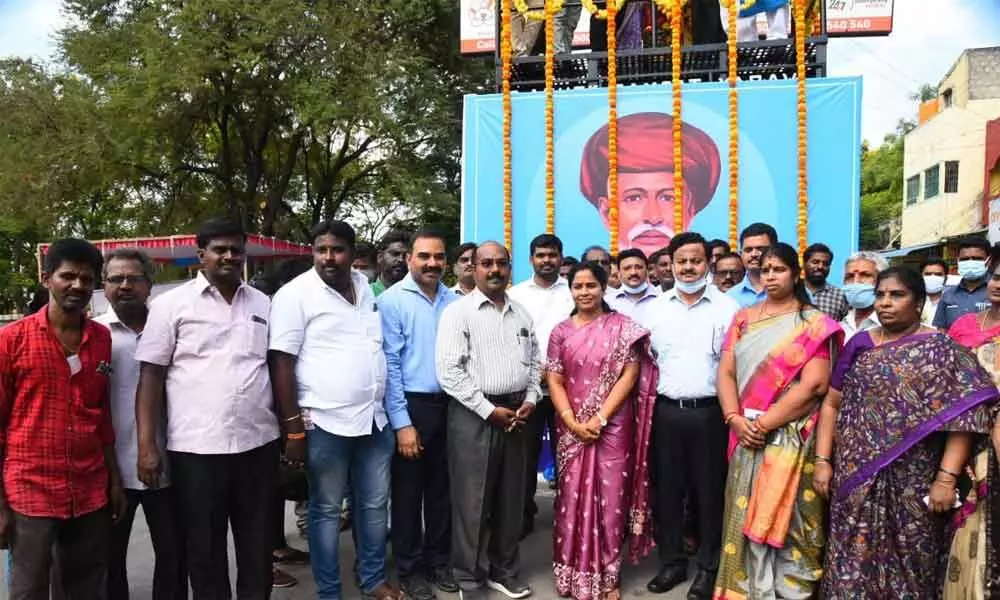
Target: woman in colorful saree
x,y
602,379
905,406
775,369
974,563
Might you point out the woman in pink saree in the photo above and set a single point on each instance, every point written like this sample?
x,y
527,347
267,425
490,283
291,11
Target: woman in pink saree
x,y
602,378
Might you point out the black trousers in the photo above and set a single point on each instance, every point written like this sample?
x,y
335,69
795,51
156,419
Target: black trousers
x,y
78,545
486,469
170,570
689,454
706,22
599,28
543,416
421,506
215,491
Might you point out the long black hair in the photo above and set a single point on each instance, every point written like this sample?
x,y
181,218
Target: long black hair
x,y
599,274
790,258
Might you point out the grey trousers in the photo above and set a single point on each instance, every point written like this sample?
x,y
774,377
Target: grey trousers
x,y
486,467
79,546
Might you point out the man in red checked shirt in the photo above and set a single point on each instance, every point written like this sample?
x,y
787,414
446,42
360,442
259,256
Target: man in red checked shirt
x,y
60,485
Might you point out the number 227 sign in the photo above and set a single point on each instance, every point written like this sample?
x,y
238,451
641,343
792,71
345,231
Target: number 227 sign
x,y
850,18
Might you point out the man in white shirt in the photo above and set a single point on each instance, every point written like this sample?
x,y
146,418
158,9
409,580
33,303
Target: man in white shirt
x,y
860,272
204,359
635,295
327,358
128,278
687,325
545,295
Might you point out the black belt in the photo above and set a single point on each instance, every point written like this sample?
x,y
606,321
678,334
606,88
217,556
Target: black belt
x,y
427,396
705,402
512,400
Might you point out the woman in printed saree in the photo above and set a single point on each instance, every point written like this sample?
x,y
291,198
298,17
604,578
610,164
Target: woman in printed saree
x,y
905,406
774,370
974,563
602,378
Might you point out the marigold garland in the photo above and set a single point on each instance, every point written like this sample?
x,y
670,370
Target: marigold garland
x,y
734,130
602,13
551,8
803,166
537,15
506,52
613,127
676,58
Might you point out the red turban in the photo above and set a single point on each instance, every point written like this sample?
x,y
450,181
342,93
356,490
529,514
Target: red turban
x,y
645,143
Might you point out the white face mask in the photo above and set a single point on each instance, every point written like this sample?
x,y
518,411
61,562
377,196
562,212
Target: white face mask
x,y
637,289
934,283
693,287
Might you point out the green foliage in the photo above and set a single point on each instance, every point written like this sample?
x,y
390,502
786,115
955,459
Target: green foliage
x,y
882,189
279,113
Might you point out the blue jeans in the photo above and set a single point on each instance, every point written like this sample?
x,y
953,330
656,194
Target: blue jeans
x,y
368,459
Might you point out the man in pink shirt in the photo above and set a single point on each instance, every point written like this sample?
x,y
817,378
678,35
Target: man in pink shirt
x,y
204,358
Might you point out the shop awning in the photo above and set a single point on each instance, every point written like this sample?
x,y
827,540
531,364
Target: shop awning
x,y
909,249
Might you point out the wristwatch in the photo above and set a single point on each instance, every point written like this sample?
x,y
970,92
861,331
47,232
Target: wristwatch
x,y
602,421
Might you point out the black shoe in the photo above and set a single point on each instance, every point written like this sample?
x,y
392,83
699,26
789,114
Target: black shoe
x,y
509,586
476,593
701,588
444,579
416,588
667,579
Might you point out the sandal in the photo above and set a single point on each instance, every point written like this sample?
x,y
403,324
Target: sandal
x,y
385,591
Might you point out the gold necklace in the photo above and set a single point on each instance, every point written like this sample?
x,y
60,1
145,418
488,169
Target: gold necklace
x,y
909,331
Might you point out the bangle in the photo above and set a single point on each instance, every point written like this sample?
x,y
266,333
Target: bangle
x,y
296,436
821,458
728,418
947,472
950,484
292,418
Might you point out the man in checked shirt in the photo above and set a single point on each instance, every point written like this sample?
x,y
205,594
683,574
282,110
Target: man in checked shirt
x,y
60,482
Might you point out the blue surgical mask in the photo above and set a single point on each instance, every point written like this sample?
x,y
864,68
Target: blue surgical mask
x,y
637,289
860,295
934,283
693,287
972,270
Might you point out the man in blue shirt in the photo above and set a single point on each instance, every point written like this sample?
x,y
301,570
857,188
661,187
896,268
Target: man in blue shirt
x,y
410,311
754,240
970,294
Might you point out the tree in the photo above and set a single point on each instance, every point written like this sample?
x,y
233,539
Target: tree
x,y
279,113
882,189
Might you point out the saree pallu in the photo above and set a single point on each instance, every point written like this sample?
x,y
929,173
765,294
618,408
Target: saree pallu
x,y
899,399
973,571
603,487
773,534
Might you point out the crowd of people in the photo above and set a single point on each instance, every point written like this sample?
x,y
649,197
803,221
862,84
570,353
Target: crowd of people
x,y
775,434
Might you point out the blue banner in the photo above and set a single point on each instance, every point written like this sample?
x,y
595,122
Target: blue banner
x,y
768,165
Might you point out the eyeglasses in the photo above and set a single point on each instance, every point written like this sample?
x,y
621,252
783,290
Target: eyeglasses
x,y
489,263
728,273
120,279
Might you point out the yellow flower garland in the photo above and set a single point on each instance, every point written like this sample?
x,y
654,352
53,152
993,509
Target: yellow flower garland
x,y
803,164
538,15
612,128
551,8
667,6
676,58
602,13
506,52
734,130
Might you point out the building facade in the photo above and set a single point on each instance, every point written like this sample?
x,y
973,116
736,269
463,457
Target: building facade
x,y
944,157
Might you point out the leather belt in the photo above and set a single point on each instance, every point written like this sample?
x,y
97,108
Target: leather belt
x,y
686,403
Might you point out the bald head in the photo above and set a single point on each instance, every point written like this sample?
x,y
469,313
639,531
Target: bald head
x,y
492,269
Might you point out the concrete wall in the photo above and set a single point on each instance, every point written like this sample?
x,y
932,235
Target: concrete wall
x,y
984,73
954,134
957,80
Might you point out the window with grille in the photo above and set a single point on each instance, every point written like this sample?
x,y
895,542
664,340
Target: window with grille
x,y
912,190
951,177
932,181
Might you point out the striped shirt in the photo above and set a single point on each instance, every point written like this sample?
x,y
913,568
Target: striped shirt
x,y
482,350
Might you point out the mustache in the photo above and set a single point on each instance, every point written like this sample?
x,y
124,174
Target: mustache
x,y
432,270
641,228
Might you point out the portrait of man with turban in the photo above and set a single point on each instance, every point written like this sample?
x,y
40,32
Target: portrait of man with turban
x,y
646,177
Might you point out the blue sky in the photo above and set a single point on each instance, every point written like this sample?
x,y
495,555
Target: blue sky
x,y
923,46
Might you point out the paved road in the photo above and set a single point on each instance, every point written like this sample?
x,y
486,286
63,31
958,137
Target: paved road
x,y
536,560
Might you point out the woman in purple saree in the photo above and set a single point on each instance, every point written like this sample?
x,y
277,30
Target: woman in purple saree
x,y
602,378
905,408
